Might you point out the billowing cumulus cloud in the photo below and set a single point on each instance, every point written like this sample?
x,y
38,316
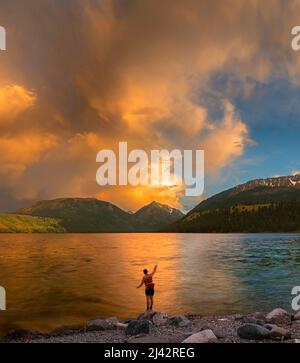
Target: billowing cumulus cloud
x,y
17,153
225,141
81,76
14,100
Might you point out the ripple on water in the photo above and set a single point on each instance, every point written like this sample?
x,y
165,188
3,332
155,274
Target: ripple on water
x,y
53,279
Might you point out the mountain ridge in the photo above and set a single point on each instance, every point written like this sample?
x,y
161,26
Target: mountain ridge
x,y
259,205
94,215
153,213
267,186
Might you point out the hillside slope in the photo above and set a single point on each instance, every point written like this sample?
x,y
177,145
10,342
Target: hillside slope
x,y
155,216
92,215
82,214
261,205
11,223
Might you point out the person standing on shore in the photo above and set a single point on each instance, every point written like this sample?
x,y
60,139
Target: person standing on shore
x,y
149,287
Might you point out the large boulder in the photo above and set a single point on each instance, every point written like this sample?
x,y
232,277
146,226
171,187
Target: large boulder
x,y
259,316
253,332
102,324
157,318
181,321
148,315
251,320
278,333
160,319
204,336
136,327
278,316
270,326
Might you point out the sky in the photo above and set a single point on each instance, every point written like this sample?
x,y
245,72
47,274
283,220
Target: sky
x,y
80,76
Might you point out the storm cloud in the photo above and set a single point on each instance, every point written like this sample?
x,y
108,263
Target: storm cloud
x,y
79,76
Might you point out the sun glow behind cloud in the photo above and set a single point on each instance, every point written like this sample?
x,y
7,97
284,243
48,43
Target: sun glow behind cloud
x,y
14,100
104,74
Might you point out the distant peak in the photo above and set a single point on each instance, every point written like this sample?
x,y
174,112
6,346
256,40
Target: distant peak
x,y
158,205
155,203
273,182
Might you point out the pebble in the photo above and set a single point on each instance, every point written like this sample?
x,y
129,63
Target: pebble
x,y
174,330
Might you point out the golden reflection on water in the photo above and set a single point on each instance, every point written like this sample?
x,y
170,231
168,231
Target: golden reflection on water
x,y
66,279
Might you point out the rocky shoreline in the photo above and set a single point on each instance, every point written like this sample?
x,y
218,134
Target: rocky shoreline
x,y
157,327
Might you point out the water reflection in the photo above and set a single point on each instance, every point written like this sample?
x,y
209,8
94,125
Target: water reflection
x,y
54,280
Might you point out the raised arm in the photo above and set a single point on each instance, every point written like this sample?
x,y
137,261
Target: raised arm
x,y
154,270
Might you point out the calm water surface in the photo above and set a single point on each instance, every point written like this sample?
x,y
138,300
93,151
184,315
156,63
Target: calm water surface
x,y
63,279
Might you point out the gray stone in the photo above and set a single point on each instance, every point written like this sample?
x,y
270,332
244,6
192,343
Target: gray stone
x,y
278,333
204,336
219,333
128,321
102,324
136,327
250,320
270,326
203,326
278,316
259,316
181,321
148,315
160,319
253,331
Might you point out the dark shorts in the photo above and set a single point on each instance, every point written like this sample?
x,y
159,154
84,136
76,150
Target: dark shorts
x,y
149,292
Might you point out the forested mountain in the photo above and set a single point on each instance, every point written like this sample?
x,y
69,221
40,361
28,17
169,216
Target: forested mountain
x,y
261,205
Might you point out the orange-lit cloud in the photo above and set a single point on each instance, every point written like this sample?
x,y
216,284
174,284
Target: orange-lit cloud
x,y
14,99
17,153
106,72
227,141
135,197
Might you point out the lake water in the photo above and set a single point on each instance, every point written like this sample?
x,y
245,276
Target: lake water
x,y
64,279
